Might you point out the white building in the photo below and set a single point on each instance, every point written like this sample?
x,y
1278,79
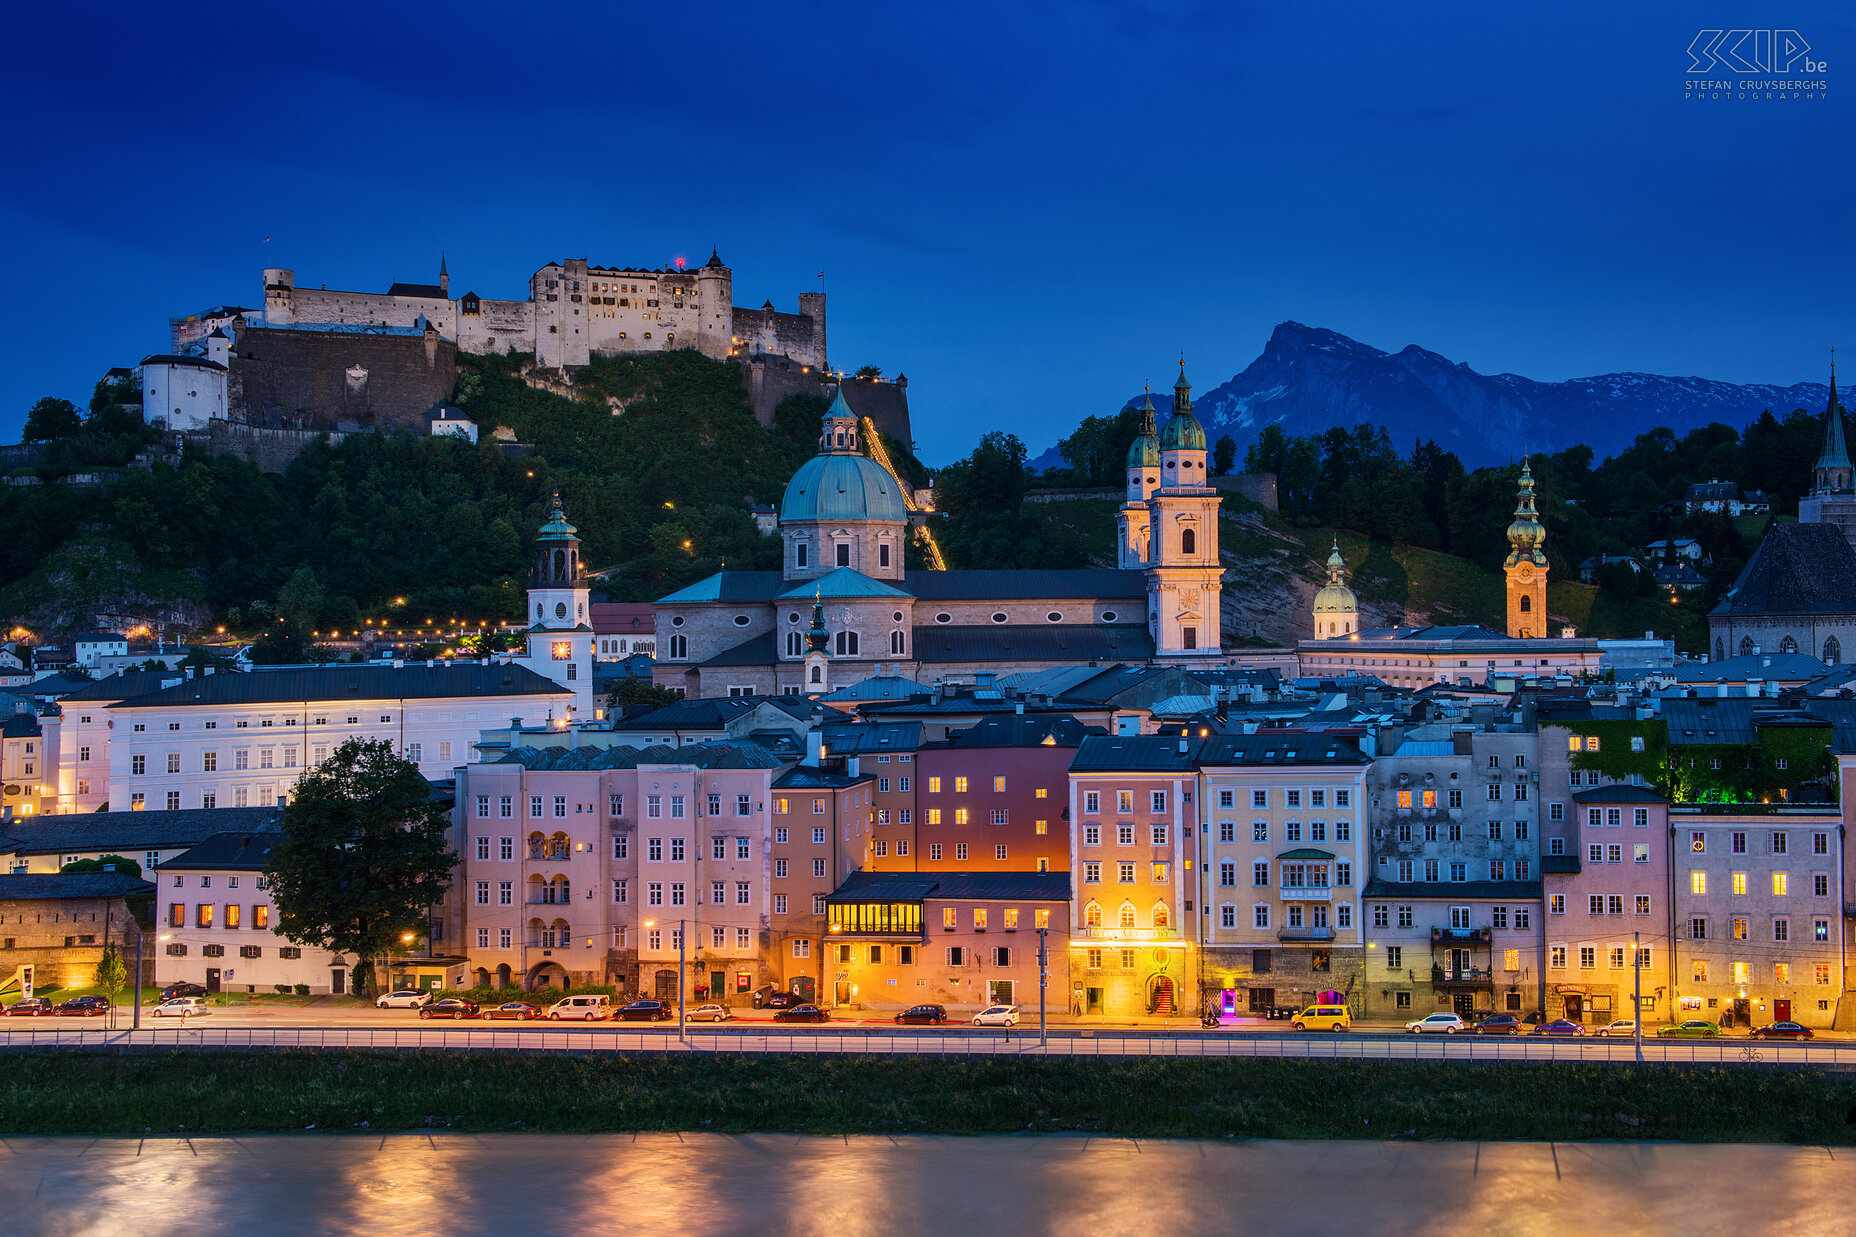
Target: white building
x,y
560,633
90,646
238,740
185,392
216,925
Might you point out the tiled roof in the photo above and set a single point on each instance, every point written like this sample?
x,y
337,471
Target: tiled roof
x,y
126,685
1800,666
44,886
1797,569
1289,749
1005,642
701,755
703,713
128,833
842,582
244,852
350,682
1024,730
1710,720
859,738
1136,754
740,586
878,687
761,650
803,777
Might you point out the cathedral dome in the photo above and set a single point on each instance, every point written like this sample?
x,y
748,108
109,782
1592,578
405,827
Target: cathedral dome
x,y
1335,597
1144,452
1182,433
842,487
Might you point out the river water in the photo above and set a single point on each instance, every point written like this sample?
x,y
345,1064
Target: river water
x,y
448,1184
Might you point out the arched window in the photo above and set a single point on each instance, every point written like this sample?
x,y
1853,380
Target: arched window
x,y
1720,654
1161,919
817,675
558,846
537,890
679,646
1788,645
1127,914
537,846
560,564
1188,541
1746,646
1092,915
1527,603
536,931
847,644
895,642
562,892
563,934
794,644
1833,652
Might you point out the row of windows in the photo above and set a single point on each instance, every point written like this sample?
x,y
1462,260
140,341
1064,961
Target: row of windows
x,y
263,796
1296,874
1404,831
1317,797
1124,873
264,724
205,914
1158,916
1740,928
1460,916
1124,835
1313,916
1778,842
1739,882
1499,870
177,949
1124,801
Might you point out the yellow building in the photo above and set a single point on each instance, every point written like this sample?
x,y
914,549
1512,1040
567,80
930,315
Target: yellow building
x,y
1526,566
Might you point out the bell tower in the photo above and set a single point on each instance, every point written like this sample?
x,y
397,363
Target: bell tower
x,y
1526,565
560,635
818,655
1184,574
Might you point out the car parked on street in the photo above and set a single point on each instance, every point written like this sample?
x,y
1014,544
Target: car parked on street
x,y
403,998
646,1011
84,1007
1436,1024
1694,1028
1784,1030
450,1007
802,1013
1498,1024
182,1007
587,1006
709,1013
923,1015
31,1007
1626,1027
997,1016
520,1011
181,988
1563,1028
782,1000
1324,1018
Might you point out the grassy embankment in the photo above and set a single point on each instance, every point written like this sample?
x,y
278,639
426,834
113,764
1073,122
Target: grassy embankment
x,y
84,1093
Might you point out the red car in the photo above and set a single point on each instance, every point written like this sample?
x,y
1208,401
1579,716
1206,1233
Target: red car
x,y
1560,1026
450,1007
802,1013
1784,1030
31,1007
84,1007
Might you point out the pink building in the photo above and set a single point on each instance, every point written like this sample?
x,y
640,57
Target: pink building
x,y
1605,867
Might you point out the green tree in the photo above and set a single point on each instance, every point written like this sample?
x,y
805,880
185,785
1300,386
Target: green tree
x,y
49,419
635,691
868,371
1224,455
363,857
299,601
112,975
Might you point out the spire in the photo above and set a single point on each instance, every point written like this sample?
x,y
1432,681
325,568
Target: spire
x,y
1526,535
1833,462
817,638
1182,390
442,272
1337,566
1147,411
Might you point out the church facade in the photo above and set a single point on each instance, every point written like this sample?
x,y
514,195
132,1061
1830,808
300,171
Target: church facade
x,y
844,606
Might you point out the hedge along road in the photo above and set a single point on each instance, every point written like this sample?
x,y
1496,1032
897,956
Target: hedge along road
x,y
608,1038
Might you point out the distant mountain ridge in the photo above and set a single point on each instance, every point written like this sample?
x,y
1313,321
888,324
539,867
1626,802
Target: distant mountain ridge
x,y
1308,379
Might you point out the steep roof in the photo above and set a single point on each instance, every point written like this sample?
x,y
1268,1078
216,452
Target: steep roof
x,y
741,586
1024,730
704,713
127,684
46,886
1767,666
841,582
1710,720
1286,749
128,833
862,738
424,291
242,852
1797,569
350,682
1621,792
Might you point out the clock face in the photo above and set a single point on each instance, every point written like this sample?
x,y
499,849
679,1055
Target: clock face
x,y
1526,573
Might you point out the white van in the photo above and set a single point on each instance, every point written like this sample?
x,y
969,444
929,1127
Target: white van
x,y
595,1007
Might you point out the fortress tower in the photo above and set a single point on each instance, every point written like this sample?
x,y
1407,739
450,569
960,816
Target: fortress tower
x,y
1526,565
1184,576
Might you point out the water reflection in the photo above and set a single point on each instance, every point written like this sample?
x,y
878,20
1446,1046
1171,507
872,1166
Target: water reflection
x,y
448,1184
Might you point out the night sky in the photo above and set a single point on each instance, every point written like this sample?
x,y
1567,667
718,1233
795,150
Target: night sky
x,y
1029,208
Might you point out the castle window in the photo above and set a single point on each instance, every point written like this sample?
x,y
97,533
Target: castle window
x,y
676,620
1108,616
943,618
1055,616
742,620
679,646
1188,542
1746,646
1788,645
1833,652
847,644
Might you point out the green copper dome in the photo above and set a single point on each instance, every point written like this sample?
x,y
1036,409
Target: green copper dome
x,y
1527,534
842,487
1144,452
1182,433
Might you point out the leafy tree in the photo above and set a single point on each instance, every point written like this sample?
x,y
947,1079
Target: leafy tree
x,y
112,975
636,691
1224,455
363,857
992,479
869,371
51,418
1097,452
299,601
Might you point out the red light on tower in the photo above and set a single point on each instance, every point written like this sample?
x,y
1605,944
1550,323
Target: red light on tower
x,y
680,261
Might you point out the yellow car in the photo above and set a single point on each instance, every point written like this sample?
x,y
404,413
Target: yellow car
x,y
1324,1018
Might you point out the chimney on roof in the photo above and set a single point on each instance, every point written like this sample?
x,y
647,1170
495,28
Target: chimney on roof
x,y
515,723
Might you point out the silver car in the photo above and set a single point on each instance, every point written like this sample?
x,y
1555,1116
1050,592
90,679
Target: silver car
x,y
997,1016
1444,1024
403,998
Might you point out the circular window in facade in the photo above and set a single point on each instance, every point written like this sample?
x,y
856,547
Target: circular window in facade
x,y
793,617
1055,616
741,620
1108,616
998,617
676,620
560,609
898,616
943,618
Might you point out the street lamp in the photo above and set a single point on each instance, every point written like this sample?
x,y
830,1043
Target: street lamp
x,y
682,939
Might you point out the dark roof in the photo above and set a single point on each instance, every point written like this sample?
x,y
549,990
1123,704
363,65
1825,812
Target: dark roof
x,y
804,777
1306,852
1019,730
739,586
429,291
1026,585
1457,890
1058,642
973,886
129,832
127,684
1797,569
859,738
758,650
703,713
98,635
1721,719
1621,792
1286,749
1560,865
45,886
1704,491
701,755
246,852
350,682
20,726
199,362
1136,754
1755,666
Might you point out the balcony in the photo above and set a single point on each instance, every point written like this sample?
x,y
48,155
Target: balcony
x,y
1460,936
1307,893
1305,934
1463,976
1099,933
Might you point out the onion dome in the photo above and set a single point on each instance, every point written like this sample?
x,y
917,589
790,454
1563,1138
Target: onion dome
x,y
1527,534
1335,597
1144,451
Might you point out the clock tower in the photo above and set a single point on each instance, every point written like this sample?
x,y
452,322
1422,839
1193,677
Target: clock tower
x,y
1526,566
560,633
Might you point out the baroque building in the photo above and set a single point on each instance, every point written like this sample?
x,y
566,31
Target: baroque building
x,y
844,527
1526,566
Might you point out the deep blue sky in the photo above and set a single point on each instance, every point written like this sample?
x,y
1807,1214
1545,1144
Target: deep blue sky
x,y
1030,208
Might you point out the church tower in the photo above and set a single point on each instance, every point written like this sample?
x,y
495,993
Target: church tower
x,y
1526,566
560,637
1337,611
818,653
1143,479
1833,473
1184,575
